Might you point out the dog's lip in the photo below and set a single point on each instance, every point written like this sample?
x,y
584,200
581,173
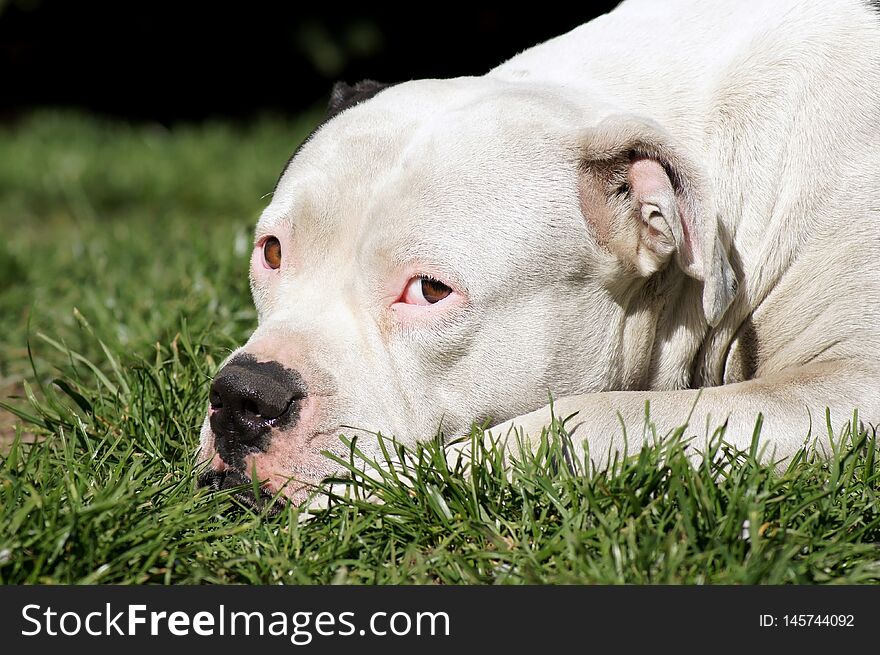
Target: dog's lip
x,y
229,478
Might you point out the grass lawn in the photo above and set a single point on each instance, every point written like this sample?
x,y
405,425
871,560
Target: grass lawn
x,y
123,282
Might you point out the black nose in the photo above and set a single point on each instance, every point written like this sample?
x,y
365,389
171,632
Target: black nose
x,y
247,399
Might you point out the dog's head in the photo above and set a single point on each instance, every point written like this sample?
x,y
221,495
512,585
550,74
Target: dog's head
x,y
444,253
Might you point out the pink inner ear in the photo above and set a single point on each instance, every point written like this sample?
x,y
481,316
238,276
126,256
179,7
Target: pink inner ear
x,y
594,208
650,183
648,180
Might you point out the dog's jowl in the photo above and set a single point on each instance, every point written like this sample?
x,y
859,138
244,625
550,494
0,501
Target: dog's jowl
x,y
674,203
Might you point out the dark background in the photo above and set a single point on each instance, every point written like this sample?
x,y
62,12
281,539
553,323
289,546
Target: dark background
x,y
185,61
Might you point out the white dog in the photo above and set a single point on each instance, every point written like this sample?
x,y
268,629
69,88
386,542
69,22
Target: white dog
x,y
678,195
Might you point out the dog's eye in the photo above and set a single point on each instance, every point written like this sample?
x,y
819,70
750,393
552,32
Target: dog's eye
x,y
424,290
272,252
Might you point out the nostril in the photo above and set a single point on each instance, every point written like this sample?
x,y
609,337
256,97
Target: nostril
x,y
216,400
251,407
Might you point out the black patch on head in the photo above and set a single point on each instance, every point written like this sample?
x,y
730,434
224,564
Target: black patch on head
x,y
249,399
343,96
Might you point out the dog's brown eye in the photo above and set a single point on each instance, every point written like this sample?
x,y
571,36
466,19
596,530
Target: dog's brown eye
x,y
272,252
434,291
424,290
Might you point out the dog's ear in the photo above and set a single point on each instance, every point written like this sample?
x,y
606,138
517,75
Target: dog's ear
x,y
344,95
645,204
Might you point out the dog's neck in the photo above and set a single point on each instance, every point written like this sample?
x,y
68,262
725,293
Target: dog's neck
x,y
661,328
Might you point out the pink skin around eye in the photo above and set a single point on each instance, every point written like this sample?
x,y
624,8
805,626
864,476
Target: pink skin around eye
x,y
260,268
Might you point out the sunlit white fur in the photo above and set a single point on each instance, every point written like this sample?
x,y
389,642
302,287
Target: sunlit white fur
x,y
770,111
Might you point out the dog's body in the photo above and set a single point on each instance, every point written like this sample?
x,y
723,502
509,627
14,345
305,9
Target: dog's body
x,y
675,196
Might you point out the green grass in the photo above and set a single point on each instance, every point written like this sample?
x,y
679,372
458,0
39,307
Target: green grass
x,y
123,265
